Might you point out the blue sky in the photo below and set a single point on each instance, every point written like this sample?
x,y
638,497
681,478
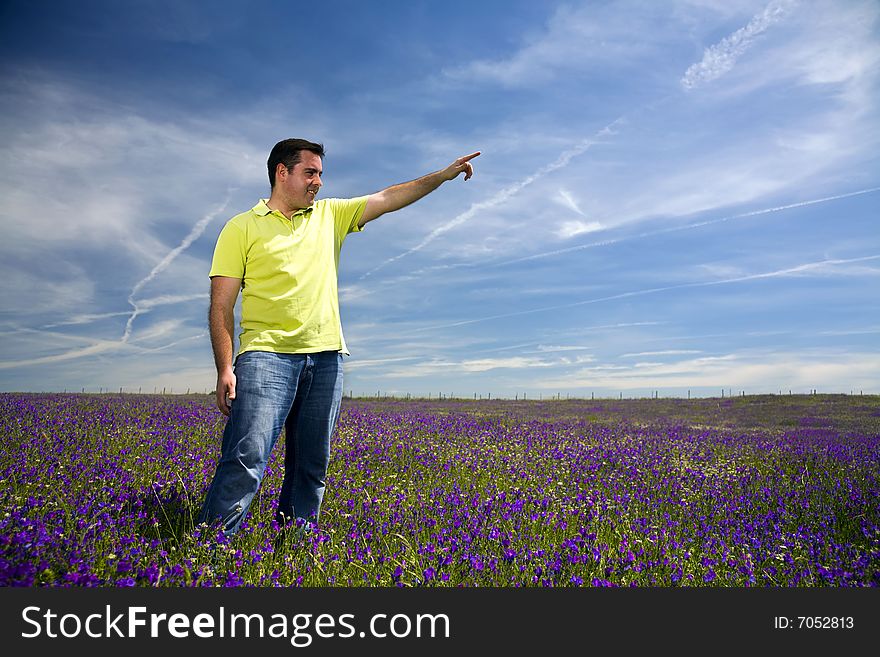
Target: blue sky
x,y
679,197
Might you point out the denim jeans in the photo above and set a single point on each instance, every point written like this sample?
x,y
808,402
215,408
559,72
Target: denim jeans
x,y
299,392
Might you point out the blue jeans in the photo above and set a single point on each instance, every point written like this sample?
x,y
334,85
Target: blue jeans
x,y
299,392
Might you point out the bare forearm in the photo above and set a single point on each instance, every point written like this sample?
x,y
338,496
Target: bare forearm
x,y
221,322
399,196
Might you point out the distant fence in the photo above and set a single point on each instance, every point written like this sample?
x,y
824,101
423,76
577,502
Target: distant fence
x,y
655,394
438,396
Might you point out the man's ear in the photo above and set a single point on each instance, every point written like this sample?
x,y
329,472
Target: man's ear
x,y
280,171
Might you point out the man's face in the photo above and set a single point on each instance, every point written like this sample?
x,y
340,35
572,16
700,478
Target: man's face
x,y
301,183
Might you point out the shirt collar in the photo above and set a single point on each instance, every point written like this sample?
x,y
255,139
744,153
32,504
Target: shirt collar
x,y
261,209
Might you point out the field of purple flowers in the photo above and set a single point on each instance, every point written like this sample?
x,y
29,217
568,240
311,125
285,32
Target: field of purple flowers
x,y
779,491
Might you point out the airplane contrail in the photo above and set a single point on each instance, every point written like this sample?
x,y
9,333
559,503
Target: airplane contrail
x,y
503,195
721,57
643,235
194,234
100,346
716,61
673,229
654,290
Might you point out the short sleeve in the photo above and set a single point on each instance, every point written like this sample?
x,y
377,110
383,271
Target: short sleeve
x,y
229,253
347,212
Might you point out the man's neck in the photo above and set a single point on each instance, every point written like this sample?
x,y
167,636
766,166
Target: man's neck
x,y
277,206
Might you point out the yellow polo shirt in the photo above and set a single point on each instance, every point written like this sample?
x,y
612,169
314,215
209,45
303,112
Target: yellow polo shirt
x,y
288,268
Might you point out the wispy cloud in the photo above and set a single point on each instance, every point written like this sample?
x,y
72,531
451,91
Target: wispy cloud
x,y
566,200
437,366
595,37
86,318
743,128
144,305
550,348
103,346
690,226
190,338
169,299
750,371
163,264
505,194
360,363
721,57
666,352
828,266
569,229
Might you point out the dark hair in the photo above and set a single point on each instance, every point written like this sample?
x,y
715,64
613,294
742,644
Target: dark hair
x,y
287,152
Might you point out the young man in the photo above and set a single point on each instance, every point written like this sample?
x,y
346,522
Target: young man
x,y
283,256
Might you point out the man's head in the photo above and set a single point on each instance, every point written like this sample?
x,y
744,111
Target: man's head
x,y
288,152
295,168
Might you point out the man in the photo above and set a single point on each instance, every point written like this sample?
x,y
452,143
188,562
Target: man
x,y
283,255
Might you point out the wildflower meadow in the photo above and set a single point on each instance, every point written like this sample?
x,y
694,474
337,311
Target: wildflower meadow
x,y
758,491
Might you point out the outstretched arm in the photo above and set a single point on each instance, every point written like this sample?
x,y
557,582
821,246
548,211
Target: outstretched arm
x,y
399,196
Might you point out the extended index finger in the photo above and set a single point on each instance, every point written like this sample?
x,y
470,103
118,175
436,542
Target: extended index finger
x,y
467,158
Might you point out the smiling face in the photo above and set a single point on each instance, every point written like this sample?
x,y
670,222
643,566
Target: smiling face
x,y
296,188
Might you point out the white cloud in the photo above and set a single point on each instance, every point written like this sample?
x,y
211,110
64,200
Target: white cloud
x,y
596,37
434,367
666,352
169,299
56,288
568,229
166,261
566,199
723,271
144,306
109,172
364,363
827,267
502,196
86,318
687,154
161,330
721,57
753,372
72,354
553,348
783,109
